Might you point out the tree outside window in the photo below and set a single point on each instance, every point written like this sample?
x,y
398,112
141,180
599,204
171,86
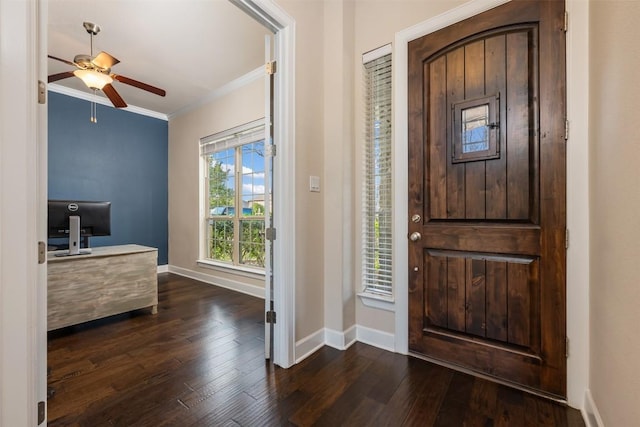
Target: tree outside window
x,y
235,216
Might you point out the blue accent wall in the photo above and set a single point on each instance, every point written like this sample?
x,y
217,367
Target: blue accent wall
x,y
123,158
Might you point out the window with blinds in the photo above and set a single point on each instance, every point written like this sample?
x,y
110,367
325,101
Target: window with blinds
x,y
376,192
234,196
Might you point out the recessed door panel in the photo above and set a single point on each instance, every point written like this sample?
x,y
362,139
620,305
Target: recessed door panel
x,y
488,296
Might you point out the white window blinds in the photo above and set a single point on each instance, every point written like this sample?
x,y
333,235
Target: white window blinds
x,y
376,192
233,138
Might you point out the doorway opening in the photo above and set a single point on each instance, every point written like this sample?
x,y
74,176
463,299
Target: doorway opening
x,y
283,26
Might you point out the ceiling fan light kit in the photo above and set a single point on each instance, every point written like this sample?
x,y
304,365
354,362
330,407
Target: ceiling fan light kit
x,y
95,73
93,79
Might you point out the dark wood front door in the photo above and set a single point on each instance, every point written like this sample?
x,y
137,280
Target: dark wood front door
x,y
487,195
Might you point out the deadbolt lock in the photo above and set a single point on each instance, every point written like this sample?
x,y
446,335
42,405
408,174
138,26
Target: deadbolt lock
x,y
416,218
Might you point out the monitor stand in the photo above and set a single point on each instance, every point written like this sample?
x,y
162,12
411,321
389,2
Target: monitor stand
x,y
74,238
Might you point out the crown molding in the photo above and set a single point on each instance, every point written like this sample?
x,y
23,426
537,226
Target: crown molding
x,y
210,97
223,90
53,87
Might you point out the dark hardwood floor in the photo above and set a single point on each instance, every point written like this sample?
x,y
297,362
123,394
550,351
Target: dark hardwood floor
x,y
200,362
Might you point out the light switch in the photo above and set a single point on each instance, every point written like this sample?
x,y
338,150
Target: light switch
x,y
314,184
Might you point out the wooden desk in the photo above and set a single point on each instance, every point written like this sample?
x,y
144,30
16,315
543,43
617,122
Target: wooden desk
x,y
110,280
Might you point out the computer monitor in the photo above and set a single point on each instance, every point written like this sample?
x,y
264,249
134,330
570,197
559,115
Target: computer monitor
x,y
78,219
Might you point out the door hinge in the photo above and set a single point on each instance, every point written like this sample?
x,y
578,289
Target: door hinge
x,y
41,410
566,238
566,349
566,22
271,150
566,130
42,92
270,233
271,316
42,252
271,67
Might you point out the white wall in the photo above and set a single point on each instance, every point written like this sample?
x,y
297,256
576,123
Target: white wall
x,y
376,23
309,150
615,209
339,295
242,105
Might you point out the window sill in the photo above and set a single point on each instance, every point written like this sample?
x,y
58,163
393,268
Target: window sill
x,y
252,273
372,300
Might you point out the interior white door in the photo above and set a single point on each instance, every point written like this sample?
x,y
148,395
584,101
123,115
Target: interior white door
x,y
22,133
268,198
41,218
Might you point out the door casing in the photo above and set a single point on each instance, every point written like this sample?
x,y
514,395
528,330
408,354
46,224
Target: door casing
x,y
268,14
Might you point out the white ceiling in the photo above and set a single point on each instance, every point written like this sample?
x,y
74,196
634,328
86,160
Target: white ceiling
x,y
189,48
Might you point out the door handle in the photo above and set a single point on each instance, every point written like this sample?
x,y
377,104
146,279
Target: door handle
x,y
415,236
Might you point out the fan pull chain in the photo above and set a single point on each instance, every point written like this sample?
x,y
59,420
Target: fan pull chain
x,y
94,109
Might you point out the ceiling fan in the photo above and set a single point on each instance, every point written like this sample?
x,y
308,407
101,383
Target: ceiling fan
x,y
95,72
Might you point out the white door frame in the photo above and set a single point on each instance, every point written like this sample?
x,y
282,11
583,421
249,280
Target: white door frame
x,y
23,29
577,183
22,280
275,18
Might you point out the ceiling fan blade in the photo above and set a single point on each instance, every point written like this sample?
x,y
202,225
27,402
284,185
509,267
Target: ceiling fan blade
x,y
55,77
62,60
104,60
114,96
139,85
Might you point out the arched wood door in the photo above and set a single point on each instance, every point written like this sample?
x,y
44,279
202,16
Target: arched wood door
x,y
487,195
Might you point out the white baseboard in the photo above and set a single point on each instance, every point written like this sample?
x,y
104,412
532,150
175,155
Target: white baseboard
x,y
376,338
163,268
590,411
340,340
309,345
343,340
234,285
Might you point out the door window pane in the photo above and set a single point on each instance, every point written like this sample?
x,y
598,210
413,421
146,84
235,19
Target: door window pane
x,y
475,134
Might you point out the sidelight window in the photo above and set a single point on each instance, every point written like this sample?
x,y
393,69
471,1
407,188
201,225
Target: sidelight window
x,y
377,185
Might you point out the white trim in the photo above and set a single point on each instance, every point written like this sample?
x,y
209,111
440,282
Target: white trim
x,y
400,153
310,344
251,126
457,14
42,125
163,268
377,301
223,90
340,340
21,294
343,340
54,87
284,266
251,273
376,338
578,264
256,12
234,285
377,53
350,336
590,412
